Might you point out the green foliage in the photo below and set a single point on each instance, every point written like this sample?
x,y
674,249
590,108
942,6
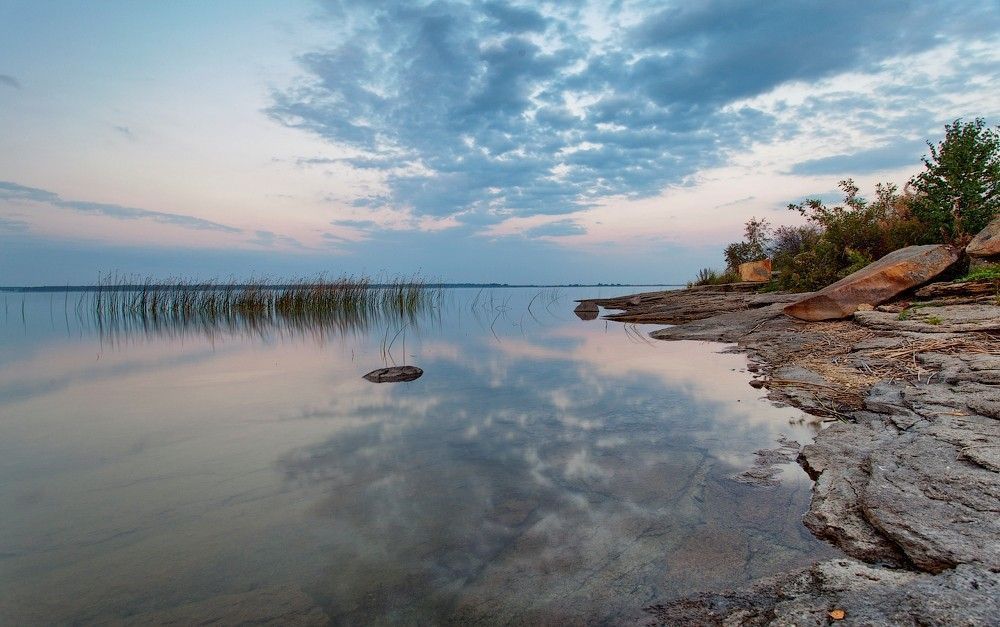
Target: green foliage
x,y
984,273
708,276
959,189
754,247
935,320
957,195
836,241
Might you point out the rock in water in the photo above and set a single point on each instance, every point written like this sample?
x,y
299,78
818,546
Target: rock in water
x,y
987,242
876,283
587,310
395,374
756,271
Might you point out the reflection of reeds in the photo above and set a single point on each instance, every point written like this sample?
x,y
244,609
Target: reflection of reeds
x,y
123,306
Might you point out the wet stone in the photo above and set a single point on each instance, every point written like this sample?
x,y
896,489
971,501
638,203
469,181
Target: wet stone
x,y
587,310
394,374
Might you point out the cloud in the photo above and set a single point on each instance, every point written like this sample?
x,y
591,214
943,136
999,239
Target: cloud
x,y
356,224
270,239
371,201
13,191
334,239
733,203
865,161
713,52
12,225
488,111
559,228
10,81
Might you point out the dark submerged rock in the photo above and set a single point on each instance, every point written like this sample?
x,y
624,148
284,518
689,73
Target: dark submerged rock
x,y
394,374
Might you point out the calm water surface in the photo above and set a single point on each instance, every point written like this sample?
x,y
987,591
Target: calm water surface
x,y
544,469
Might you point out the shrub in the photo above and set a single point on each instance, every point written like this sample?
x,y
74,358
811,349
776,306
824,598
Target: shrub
x,y
708,276
837,241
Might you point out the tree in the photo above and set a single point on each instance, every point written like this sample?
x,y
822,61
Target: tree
x,y
756,237
958,193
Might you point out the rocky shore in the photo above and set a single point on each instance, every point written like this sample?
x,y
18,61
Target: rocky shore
x,y
907,471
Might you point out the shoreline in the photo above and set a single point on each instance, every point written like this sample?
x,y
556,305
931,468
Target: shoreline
x,y
906,475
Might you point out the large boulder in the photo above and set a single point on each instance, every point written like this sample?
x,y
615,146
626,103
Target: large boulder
x,y
876,283
987,242
756,271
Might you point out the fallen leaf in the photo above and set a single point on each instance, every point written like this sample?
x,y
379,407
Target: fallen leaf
x,y
838,614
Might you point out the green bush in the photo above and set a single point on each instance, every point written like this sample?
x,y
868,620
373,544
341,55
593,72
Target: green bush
x,y
708,276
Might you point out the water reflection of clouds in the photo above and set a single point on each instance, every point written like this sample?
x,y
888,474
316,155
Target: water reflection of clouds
x,y
50,370
557,473
703,370
573,476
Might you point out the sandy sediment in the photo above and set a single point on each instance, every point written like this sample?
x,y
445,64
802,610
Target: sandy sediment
x,y
907,474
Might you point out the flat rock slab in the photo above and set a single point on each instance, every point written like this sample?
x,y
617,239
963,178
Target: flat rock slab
x,y
394,374
683,306
936,504
971,289
983,317
836,461
876,283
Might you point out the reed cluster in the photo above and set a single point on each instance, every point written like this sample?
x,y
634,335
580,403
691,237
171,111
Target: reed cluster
x,y
345,302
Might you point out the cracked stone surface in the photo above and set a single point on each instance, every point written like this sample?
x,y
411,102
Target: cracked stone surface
x,y
946,319
867,595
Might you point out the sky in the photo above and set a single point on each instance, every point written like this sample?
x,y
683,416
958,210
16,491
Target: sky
x,y
463,141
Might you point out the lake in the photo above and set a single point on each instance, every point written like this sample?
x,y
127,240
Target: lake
x,y
544,469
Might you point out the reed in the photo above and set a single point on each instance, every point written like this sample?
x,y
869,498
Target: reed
x,y
352,302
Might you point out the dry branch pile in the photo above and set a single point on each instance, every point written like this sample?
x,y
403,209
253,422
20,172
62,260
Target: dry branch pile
x,y
903,362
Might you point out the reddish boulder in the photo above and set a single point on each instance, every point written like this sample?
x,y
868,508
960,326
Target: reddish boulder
x,y
756,271
876,283
987,242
